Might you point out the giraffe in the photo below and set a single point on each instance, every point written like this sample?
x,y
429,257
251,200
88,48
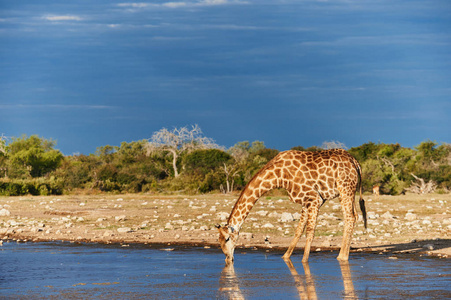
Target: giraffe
x,y
310,179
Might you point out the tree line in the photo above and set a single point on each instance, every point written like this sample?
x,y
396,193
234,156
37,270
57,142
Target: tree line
x,y
183,160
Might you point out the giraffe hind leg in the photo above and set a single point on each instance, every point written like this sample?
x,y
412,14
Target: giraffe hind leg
x,y
297,234
350,218
310,230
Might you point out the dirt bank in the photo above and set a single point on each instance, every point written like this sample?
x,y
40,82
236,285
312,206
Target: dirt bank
x,y
401,224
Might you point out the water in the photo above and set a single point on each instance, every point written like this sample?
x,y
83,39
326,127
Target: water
x,y
91,271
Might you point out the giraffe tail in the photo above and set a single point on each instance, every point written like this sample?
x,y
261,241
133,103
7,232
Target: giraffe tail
x,y
361,200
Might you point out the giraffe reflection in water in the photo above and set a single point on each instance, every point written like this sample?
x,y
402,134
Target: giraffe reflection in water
x,y
229,286
305,284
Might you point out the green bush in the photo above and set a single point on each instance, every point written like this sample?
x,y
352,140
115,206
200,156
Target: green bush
x,y
36,186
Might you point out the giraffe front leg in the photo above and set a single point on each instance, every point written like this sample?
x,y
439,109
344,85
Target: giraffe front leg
x,y
350,218
310,230
297,234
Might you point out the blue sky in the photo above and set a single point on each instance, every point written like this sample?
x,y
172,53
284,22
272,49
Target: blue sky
x,y
289,73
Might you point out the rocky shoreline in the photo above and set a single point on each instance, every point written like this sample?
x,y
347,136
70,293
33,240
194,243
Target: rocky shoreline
x,y
397,225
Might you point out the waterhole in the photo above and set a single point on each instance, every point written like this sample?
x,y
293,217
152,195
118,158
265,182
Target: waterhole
x,y
92,271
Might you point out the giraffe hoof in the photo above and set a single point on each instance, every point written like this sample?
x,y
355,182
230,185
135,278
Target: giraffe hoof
x,y
286,257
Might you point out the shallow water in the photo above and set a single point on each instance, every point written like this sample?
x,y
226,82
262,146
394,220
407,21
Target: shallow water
x,y
88,271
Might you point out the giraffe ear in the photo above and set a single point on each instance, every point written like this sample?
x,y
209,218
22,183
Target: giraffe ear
x,y
218,226
224,232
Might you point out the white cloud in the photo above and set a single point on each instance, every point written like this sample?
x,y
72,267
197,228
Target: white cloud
x,y
134,5
174,4
54,18
212,2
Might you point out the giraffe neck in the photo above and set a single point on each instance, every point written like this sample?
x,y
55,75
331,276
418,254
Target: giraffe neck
x,y
251,193
240,212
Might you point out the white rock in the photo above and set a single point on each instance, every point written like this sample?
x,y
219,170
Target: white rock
x,y
410,216
371,215
387,215
120,218
429,246
4,212
124,229
286,217
268,225
262,213
273,215
222,215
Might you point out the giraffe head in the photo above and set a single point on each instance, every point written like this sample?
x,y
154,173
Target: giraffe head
x,y
227,239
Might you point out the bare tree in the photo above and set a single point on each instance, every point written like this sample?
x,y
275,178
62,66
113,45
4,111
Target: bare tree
x,y
419,186
3,144
178,141
230,171
333,145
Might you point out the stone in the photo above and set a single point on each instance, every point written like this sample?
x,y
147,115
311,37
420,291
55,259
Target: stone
x,y
124,230
273,215
222,215
297,216
410,216
429,246
286,217
4,212
120,218
371,215
262,213
387,215
268,225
